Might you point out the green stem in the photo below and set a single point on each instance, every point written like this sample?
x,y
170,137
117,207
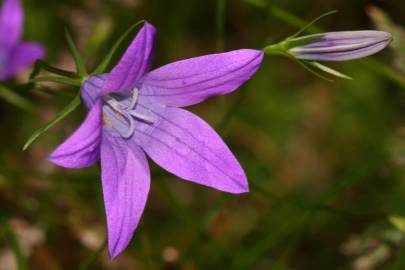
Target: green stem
x,y
93,257
280,48
15,246
220,24
11,97
62,80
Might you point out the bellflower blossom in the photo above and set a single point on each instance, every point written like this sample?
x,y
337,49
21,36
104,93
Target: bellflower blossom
x,y
14,54
133,111
340,46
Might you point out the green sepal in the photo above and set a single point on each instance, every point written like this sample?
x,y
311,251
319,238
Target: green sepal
x,y
306,65
61,80
284,46
329,70
292,41
41,65
101,68
80,66
303,29
65,112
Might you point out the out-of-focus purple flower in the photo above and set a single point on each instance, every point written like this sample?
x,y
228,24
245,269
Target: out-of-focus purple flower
x,y
133,111
339,46
14,54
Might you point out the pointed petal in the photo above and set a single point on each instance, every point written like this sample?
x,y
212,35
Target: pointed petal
x,y
11,22
193,80
134,64
82,148
185,145
22,56
126,183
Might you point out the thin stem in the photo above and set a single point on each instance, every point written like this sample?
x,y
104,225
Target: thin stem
x,y
93,257
226,119
15,246
220,24
11,97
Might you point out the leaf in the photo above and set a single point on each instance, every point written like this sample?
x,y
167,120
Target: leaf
x,y
65,112
398,222
80,67
11,97
61,80
101,68
330,71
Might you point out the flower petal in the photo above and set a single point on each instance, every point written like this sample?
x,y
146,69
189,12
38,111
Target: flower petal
x,y
135,63
126,183
193,80
22,56
82,148
11,22
90,91
185,145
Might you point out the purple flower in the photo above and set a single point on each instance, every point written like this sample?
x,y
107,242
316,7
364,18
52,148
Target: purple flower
x,y
339,46
14,54
133,111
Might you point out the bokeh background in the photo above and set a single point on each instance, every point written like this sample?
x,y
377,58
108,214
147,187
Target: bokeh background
x,y
325,161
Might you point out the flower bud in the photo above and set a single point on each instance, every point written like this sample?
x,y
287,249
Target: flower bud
x,y
339,46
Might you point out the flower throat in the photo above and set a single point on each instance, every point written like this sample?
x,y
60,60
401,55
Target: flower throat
x,y
128,113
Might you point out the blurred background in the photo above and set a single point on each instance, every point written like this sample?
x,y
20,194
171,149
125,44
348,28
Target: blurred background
x,y
325,161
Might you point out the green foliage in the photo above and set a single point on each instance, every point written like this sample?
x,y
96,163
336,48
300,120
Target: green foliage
x,y
398,222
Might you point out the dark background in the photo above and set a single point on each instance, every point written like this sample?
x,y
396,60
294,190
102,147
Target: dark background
x,y
325,161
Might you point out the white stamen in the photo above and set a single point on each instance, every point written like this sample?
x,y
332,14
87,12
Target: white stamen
x,y
129,113
113,103
128,133
146,118
135,93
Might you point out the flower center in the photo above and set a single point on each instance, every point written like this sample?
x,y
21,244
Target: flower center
x,y
128,113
